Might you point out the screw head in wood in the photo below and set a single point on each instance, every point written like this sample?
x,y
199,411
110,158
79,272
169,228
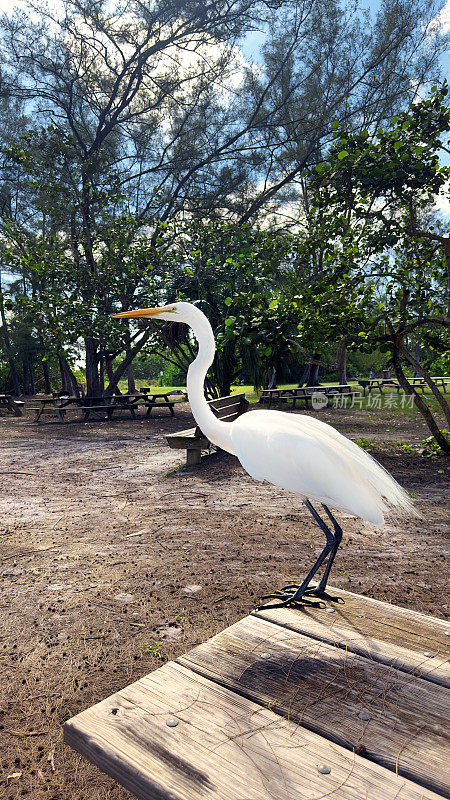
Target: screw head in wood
x,y
364,715
323,769
172,722
428,654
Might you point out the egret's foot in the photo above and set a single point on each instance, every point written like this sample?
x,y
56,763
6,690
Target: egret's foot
x,y
318,591
288,600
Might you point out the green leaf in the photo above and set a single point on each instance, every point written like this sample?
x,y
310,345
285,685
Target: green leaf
x,y
273,304
228,301
343,154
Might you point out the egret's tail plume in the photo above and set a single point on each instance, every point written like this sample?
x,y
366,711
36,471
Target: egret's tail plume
x,y
392,498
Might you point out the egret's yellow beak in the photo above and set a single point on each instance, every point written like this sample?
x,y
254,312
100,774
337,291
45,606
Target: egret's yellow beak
x,y
144,312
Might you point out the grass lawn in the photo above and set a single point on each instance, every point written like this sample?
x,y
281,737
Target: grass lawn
x,y
373,401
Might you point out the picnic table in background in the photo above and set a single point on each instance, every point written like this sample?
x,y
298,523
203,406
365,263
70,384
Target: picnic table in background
x,y
105,407
418,383
305,393
58,404
285,704
160,399
378,383
12,406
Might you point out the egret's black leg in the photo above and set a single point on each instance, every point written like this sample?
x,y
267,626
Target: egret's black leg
x,y
294,594
337,540
319,590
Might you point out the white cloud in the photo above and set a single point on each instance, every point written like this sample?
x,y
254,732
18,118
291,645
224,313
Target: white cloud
x,y
443,18
442,201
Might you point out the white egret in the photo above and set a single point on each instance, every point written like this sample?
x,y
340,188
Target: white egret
x,y
294,451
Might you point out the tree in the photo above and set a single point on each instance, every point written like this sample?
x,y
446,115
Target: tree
x,y
372,198
152,117
227,270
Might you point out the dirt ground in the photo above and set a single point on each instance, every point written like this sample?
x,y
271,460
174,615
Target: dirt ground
x,y
113,561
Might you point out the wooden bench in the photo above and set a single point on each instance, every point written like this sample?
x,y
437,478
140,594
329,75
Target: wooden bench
x,y
193,440
348,705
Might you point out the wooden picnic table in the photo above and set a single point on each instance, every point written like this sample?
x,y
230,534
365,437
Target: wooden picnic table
x,y
304,393
12,406
105,406
58,404
417,383
157,400
378,383
440,381
351,705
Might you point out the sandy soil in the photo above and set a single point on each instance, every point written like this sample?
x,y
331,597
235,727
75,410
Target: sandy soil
x,y
113,560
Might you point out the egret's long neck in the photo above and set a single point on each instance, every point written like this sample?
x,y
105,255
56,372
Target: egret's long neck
x,y
219,433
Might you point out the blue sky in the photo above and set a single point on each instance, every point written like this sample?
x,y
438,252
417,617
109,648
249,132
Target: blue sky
x,y
251,48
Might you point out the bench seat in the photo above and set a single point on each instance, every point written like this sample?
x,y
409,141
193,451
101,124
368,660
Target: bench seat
x,y
150,405
109,409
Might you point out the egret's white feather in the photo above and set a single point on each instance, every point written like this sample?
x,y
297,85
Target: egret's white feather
x,y
307,456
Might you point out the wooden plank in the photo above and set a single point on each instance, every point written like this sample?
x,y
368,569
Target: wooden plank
x,y
224,410
325,689
229,417
224,747
392,635
230,400
188,433
186,440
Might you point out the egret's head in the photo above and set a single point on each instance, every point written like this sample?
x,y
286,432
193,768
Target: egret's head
x,y
176,312
172,313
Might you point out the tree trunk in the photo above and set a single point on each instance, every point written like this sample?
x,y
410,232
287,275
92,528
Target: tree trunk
x,y
122,368
310,376
417,356
68,379
341,358
130,372
46,376
315,372
130,379
12,365
270,378
92,361
304,379
101,375
420,403
422,372
32,386
28,376
109,368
